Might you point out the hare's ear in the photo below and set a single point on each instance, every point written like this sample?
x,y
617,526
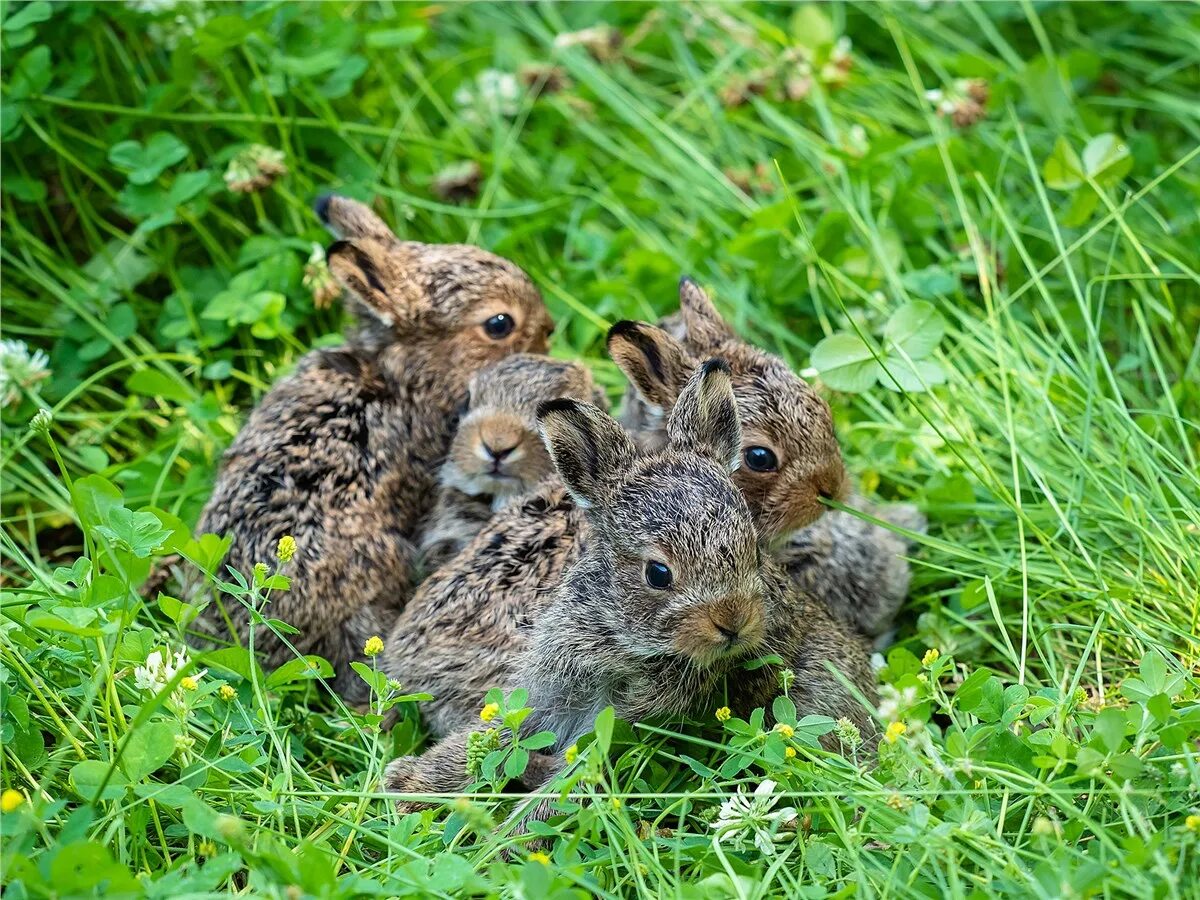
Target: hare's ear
x,y
589,449
363,268
705,418
655,363
348,218
701,321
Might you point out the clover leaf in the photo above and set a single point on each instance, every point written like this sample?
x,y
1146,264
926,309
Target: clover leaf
x,y
144,163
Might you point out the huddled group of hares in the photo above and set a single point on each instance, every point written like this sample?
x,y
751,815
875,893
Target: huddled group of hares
x,y
453,489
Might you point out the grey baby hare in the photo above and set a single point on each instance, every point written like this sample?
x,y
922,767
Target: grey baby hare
x,y
447,641
497,453
791,459
344,453
666,591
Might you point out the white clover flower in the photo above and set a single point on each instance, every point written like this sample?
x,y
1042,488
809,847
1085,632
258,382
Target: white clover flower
x,y
743,816
20,369
494,93
893,702
158,671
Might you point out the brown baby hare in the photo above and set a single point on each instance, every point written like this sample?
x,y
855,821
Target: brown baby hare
x,y
497,453
343,455
791,460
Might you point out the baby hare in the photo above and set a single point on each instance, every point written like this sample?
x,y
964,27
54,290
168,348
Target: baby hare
x,y
497,453
663,593
791,459
343,454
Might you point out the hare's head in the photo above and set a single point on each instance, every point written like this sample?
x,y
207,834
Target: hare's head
x,y
455,302
790,458
671,563
497,450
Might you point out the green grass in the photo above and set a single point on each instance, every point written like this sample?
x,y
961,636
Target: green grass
x,y
1051,750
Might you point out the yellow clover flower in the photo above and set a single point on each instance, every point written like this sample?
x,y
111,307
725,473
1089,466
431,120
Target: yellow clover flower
x,y
489,711
226,693
11,800
188,683
539,856
789,752
373,646
930,657
1192,822
570,754
894,731
786,730
286,549
723,714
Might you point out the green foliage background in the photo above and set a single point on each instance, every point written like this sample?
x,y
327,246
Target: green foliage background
x,y
1051,436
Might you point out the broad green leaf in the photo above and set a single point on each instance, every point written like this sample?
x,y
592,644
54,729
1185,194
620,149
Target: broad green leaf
x,y
933,281
604,728
30,14
515,763
93,497
846,363
1106,159
87,776
396,37
149,747
83,868
898,374
299,669
1063,170
49,621
1110,728
538,741
144,163
182,614
141,532
784,710
30,76
916,328
811,26
153,383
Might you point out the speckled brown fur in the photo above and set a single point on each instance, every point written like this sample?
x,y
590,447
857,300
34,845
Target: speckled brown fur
x,y
856,568
344,453
604,635
496,453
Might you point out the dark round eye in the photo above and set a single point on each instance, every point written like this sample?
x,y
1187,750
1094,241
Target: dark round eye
x,y
760,459
499,326
658,576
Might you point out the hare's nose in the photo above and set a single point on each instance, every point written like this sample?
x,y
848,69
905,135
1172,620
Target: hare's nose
x,y
736,621
496,454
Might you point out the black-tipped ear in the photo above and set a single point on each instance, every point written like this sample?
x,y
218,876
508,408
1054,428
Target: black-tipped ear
x,y
705,418
590,451
348,218
701,321
321,207
361,268
654,362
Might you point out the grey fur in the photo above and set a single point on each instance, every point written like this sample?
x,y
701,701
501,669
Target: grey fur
x,y
603,635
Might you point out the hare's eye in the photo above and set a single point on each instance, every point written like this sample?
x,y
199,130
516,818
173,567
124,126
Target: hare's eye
x,y
499,326
658,575
760,459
